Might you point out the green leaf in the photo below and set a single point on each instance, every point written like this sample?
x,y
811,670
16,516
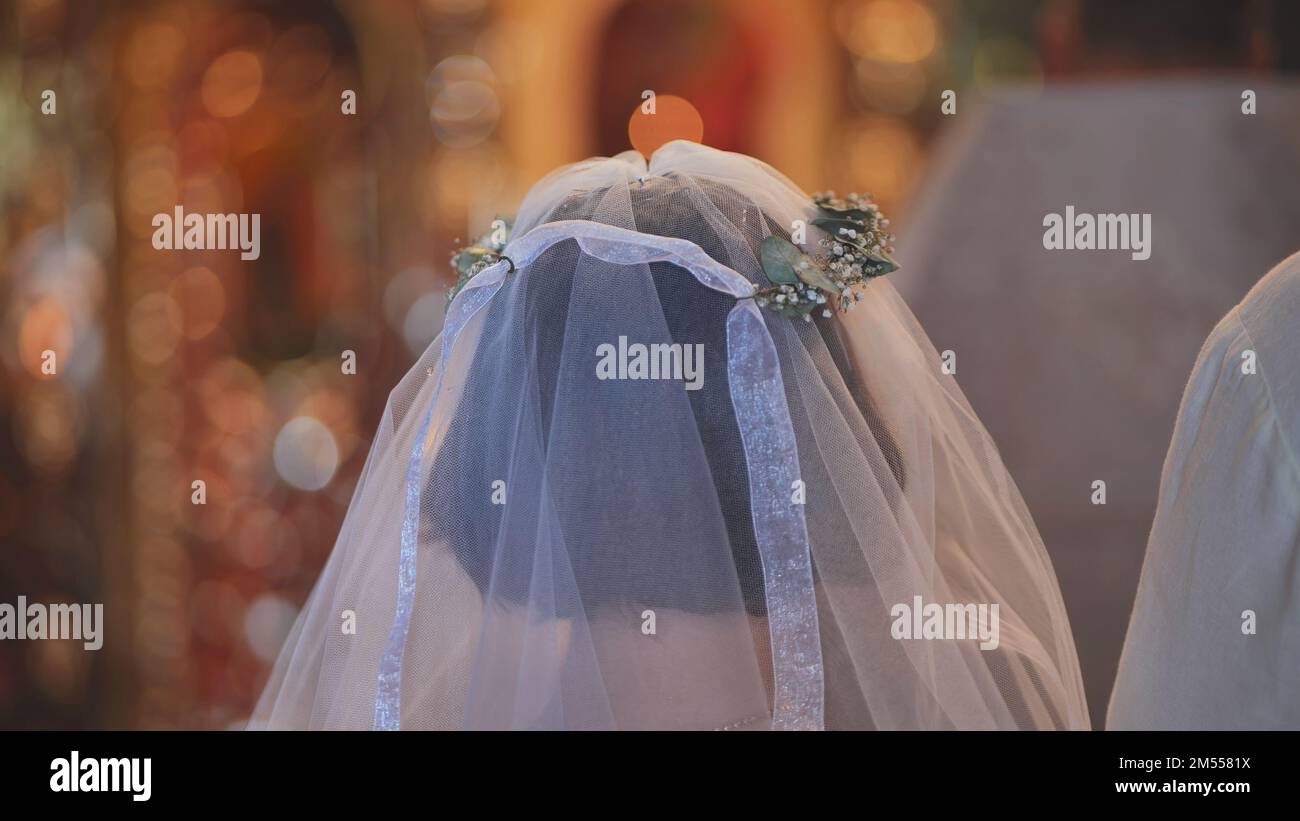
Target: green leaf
x,y
807,269
793,311
848,213
466,258
833,226
876,264
778,257
880,264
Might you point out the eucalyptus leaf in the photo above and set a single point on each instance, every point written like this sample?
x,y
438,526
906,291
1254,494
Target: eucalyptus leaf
x,y
871,256
795,311
848,213
466,258
880,264
833,226
778,257
811,273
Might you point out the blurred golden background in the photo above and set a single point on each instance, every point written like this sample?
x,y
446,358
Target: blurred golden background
x,y
197,366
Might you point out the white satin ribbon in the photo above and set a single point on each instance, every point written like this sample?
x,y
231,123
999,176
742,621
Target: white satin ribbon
x,y
388,694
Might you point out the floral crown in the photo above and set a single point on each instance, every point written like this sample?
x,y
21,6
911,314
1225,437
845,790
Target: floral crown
x,y
858,249
483,252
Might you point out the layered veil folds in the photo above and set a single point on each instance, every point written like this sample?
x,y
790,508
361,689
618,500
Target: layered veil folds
x,y
531,545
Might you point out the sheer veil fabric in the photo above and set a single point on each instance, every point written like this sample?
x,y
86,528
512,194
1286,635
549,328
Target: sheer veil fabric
x,y
533,546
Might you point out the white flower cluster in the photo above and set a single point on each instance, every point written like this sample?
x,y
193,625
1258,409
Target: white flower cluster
x,y
859,248
473,259
793,299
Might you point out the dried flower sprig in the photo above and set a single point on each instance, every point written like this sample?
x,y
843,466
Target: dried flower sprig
x,y
858,248
484,252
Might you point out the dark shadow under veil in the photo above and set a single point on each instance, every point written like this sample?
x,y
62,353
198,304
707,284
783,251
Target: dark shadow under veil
x,y
470,458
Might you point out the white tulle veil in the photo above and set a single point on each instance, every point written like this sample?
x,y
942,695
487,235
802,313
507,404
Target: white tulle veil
x,y
533,546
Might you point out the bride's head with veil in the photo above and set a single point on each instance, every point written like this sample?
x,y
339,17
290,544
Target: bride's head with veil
x,y
687,208
546,546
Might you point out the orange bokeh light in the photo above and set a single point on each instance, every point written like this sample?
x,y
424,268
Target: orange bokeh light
x,y
674,118
232,83
889,31
45,327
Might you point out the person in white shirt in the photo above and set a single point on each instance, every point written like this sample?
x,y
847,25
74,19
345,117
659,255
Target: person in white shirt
x,y
1214,641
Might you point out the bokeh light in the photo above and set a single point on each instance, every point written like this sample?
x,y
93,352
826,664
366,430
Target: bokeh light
x,y
884,157
267,622
154,327
232,83
201,298
888,31
674,118
306,454
47,426
299,61
45,327
463,104
154,52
